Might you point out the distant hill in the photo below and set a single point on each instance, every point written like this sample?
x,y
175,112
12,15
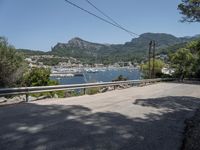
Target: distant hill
x,y
29,52
136,49
162,40
78,48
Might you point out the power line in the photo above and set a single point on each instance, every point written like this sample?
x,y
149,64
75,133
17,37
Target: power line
x,y
113,23
108,17
102,13
109,22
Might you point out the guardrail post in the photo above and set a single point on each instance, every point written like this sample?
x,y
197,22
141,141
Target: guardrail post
x,y
84,91
66,94
27,100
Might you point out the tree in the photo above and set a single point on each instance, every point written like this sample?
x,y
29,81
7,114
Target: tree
x,y
158,65
190,9
12,65
194,47
182,61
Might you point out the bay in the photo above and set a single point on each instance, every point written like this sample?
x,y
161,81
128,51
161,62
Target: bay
x,y
101,76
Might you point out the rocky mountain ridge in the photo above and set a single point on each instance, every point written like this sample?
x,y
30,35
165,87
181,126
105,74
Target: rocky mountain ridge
x,y
137,48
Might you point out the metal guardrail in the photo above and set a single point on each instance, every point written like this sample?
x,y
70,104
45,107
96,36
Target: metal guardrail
x,y
40,89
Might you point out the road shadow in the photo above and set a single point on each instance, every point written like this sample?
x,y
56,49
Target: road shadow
x,y
30,126
175,103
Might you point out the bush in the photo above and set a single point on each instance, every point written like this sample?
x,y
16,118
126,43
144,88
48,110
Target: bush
x,y
92,91
38,77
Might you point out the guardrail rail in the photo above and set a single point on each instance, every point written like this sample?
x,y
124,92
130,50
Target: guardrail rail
x,y
40,89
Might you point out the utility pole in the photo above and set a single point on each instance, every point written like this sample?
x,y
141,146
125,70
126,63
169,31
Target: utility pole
x,y
153,68
150,46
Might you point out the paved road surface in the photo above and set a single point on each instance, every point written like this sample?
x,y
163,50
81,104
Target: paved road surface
x,y
138,118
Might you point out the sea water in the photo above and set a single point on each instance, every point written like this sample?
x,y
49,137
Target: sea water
x,y
100,76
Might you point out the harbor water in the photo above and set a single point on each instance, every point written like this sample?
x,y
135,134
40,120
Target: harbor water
x,y
100,76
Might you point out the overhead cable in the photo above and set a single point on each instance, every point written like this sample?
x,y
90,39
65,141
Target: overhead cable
x,y
109,22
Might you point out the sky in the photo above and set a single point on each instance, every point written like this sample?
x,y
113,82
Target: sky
x,y
40,24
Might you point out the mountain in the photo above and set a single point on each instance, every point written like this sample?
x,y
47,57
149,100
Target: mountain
x,y
78,43
137,48
162,40
197,36
77,47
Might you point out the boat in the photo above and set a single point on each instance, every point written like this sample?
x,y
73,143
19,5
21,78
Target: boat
x,y
91,70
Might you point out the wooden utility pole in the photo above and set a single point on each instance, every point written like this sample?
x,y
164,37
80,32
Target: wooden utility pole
x,y
153,68
150,46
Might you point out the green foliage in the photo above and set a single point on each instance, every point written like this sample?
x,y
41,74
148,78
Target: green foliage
x,y
28,52
186,60
172,49
40,77
190,9
37,77
194,46
74,93
52,61
158,65
195,49
182,61
60,94
12,65
92,91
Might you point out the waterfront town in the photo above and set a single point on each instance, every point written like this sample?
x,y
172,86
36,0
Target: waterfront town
x,y
69,66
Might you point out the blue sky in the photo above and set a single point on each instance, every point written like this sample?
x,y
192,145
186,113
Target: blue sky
x,y
40,24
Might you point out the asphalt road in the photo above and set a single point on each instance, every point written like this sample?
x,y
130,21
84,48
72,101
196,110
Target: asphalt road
x,y
138,118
